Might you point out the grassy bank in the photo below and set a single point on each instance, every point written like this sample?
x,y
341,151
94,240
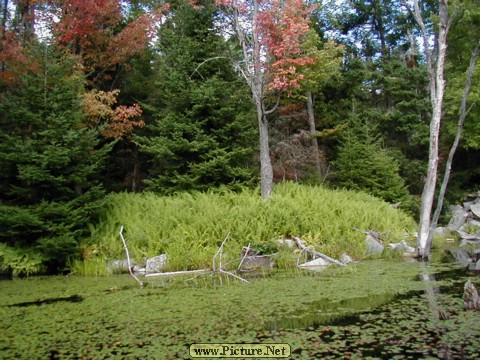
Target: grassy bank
x,y
189,228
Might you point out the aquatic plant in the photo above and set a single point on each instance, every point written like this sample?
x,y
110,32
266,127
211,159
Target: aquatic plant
x,y
377,309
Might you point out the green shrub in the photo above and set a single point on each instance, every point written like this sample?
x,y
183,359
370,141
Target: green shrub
x,y
20,260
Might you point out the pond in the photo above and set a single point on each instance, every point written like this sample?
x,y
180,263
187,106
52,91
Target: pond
x,y
379,309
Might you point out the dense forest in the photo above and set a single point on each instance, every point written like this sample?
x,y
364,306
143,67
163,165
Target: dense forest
x,y
101,96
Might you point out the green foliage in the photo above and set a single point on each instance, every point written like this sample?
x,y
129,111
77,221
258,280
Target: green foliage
x,y
362,164
49,161
189,228
18,260
203,132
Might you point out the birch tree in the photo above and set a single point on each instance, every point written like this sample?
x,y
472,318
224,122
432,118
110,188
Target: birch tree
x,y
435,58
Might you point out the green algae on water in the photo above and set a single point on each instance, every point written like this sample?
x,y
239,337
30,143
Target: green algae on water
x,y
376,308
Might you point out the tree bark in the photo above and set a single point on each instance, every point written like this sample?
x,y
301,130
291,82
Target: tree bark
x,y
266,170
313,130
437,89
453,149
252,71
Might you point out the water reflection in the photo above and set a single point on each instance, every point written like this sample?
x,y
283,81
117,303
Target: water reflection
x,y
324,312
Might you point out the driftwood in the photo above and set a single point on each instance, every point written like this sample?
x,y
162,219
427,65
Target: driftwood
x,y
471,300
128,258
218,268
314,253
184,272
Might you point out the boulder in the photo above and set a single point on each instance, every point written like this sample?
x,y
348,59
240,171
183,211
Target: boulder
x,y
461,256
118,266
286,242
317,264
255,262
458,219
475,208
403,246
346,259
373,245
156,264
471,300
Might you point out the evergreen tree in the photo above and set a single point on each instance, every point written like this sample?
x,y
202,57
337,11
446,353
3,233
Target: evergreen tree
x,y
362,164
203,135
49,160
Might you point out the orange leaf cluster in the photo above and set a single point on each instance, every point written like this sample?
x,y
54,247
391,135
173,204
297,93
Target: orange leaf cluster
x,y
115,122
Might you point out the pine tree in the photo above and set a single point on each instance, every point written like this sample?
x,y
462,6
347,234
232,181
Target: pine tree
x,y
202,135
49,160
362,164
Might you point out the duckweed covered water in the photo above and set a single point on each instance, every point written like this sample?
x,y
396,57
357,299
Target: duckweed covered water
x,y
375,309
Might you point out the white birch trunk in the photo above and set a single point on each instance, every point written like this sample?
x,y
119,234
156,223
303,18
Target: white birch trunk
x,y
437,89
453,149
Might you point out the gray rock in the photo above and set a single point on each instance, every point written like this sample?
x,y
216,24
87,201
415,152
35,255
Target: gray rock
x,y
156,264
118,266
461,256
474,223
256,262
373,245
346,259
477,266
403,246
317,264
459,216
475,210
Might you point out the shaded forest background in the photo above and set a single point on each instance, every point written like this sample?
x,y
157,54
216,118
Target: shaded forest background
x,y
101,96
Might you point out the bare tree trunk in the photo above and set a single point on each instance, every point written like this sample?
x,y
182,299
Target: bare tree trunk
x,y
437,89
257,86
266,170
251,70
4,28
453,149
313,129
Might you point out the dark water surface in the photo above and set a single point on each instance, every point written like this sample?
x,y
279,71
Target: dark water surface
x,y
377,309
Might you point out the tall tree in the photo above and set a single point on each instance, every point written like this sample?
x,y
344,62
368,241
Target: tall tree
x,y
50,160
466,23
200,135
270,34
363,164
436,67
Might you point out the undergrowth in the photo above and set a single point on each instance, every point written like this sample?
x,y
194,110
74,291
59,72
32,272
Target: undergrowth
x,y
189,228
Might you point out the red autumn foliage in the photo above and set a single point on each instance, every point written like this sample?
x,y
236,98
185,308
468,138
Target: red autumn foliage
x,y
13,59
282,26
88,28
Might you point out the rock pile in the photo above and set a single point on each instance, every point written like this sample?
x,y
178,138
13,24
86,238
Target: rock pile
x,y
465,221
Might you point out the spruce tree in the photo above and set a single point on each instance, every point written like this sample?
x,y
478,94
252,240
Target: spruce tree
x,y
50,161
203,134
363,164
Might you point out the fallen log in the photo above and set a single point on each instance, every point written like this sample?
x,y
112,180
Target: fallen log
x,y
184,272
314,253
